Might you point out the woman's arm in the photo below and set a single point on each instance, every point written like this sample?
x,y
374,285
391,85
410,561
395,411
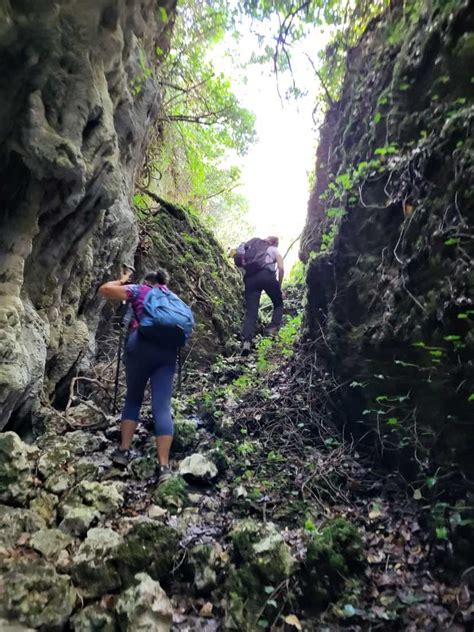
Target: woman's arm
x,y
114,290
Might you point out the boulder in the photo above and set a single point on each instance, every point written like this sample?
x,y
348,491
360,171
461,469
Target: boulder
x,y
261,546
87,501
92,619
85,469
95,566
14,522
50,542
86,414
144,607
156,512
197,467
11,626
333,555
33,594
59,482
44,505
53,459
77,520
172,494
81,442
148,544
16,479
204,560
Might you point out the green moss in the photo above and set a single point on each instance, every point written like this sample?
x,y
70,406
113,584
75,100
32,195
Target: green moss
x,y
185,433
173,493
333,555
149,545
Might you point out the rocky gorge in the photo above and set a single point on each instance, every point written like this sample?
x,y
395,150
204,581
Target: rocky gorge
x,y
324,483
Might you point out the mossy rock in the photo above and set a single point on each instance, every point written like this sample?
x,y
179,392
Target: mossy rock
x,y
34,594
171,494
333,555
93,618
263,559
185,434
95,566
16,480
149,544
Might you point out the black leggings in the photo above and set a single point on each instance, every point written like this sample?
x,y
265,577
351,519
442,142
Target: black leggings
x,y
265,281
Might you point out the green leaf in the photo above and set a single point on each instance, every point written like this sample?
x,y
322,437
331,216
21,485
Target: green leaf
x,y
471,398
452,337
452,241
336,212
163,14
309,525
377,118
442,533
348,610
393,421
269,589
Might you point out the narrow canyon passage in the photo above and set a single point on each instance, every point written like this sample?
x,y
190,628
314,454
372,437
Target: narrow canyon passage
x,y
322,480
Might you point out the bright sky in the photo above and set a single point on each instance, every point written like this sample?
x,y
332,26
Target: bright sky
x,y
275,171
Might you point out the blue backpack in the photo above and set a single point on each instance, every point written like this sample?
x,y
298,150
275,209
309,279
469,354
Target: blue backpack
x,y
166,318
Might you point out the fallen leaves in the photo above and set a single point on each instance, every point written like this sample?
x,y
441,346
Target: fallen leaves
x,y
293,620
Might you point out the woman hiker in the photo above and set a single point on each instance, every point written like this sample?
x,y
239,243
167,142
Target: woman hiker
x,y
145,360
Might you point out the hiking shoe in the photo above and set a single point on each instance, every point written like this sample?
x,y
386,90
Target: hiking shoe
x,y
121,457
164,473
246,348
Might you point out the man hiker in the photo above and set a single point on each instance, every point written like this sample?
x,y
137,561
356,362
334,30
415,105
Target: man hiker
x,y
263,266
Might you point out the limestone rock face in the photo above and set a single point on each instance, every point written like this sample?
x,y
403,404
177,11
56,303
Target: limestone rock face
x,y
16,480
74,117
388,238
144,607
35,595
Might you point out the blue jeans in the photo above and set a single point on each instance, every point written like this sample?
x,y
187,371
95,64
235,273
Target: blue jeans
x,y
145,360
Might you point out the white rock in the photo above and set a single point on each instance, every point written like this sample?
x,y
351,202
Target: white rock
x,y
144,607
197,466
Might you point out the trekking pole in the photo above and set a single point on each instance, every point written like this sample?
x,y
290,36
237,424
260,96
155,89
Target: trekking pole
x,y
117,370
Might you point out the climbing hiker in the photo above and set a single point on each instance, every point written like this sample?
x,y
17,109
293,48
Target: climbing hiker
x,y
161,326
263,271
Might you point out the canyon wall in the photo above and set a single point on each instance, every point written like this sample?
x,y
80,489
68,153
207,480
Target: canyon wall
x,y
389,239
78,97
